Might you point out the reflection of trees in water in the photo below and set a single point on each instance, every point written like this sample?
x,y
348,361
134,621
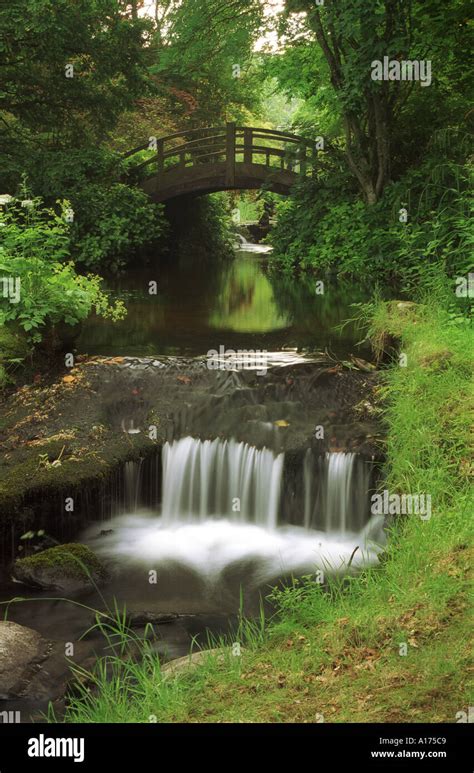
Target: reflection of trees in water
x,y
199,249
245,300
297,298
241,295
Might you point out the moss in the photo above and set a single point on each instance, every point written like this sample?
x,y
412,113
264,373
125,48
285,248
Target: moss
x,y
12,342
70,560
13,346
26,474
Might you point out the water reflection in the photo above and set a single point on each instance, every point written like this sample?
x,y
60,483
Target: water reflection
x,y
246,301
238,304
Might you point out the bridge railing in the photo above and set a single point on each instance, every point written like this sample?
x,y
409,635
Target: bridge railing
x,y
232,144
274,148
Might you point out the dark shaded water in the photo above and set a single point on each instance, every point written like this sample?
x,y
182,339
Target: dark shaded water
x,y
237,303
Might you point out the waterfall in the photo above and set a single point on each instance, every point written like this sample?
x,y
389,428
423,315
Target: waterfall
x,y
336,492
132,485
221,503
205,478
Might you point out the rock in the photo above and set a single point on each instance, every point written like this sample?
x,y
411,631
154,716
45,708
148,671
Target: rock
x,y
141,619
35,671
189,662
21,651
69,568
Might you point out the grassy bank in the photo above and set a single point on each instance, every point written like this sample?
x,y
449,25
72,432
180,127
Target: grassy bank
x,y
392,644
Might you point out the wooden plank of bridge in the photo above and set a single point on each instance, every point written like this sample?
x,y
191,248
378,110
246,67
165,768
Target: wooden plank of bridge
x,y
230,155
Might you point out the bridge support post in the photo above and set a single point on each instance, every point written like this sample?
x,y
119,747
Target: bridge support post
x,y
248,139
230,155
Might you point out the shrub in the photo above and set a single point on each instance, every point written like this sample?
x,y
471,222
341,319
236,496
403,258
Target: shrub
x,y
38,280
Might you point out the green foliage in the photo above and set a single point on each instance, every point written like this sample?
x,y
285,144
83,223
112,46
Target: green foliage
x,y
326,230
200,229
127,221
39,39
381,127
35,262
112,220
206,41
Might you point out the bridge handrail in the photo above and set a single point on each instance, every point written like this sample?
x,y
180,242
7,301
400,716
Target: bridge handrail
x,y
254,132
175,135
279,135
232,147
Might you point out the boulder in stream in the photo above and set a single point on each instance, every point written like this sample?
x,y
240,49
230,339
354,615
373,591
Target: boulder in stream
x,y
22,650
68,568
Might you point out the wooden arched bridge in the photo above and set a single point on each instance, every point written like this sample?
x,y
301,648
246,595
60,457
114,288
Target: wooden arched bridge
x,y
200,161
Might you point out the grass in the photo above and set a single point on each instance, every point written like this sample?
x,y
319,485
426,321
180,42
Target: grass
x,y
390,645
249,210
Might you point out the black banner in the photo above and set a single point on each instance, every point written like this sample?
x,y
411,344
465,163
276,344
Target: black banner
x,y
85,747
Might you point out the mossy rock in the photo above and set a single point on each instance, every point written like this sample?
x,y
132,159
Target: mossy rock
x,y
68,568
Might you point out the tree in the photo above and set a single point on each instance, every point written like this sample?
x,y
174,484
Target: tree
x,y
350,35
68,69
204,57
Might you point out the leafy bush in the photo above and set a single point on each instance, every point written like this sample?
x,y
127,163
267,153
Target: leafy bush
x,y
39,282
112,224
111,220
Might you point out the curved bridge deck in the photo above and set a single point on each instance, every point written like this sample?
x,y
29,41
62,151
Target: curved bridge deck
x,y
200,161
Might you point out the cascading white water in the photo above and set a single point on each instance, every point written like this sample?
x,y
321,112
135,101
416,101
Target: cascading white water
x,y
132,481
340,474
204,534
247,246
205,478
336,489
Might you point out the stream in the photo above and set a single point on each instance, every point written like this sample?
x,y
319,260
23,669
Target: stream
x,y
232,517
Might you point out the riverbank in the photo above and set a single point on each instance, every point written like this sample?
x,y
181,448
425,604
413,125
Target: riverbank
x,y
390,646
